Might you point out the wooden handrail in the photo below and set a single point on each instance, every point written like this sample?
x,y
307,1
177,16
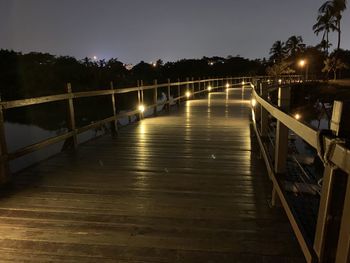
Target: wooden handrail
x,y
334,210
71,96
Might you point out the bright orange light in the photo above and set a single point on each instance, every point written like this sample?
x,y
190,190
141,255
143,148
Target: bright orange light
x,y
253,102
302,63
297,116
141,108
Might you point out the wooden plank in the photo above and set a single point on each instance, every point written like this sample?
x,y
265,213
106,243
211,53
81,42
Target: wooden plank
x,y
182,187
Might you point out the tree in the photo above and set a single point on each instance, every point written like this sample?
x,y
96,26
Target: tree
x,y
325,23
277,51
294,45
334,8
333,64
280,68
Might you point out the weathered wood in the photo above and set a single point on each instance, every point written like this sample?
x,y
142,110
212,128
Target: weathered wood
x,y
264,120
184,187
155,98
71,142
4,168
114,123
332,232
281,144
178,93
169,95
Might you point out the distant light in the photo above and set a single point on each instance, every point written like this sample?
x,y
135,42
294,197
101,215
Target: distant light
x,y
297,116
141,108
227,85
268,81
209,88
279,81
253,102
243,83
188,94
211,63
302,63
95,57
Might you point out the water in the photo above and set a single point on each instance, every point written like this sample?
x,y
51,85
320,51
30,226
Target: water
x,y
22,135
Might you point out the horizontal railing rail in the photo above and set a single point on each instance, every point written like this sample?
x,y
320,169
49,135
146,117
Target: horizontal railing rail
x,y
178,90
332,234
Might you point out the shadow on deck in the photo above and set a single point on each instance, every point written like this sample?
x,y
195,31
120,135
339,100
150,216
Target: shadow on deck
x,y
183,187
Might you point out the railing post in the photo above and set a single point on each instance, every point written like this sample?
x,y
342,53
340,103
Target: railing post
x,y
4,167
73,141
192,87
264,120
332,237
187,84
169,94
155,97
178,92
114,123
281,145
139,99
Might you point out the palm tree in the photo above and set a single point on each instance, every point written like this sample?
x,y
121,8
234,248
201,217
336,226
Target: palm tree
x,y
277,51
333,64
335,8
325,23
294,44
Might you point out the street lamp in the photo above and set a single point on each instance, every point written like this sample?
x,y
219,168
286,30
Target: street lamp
x,y
303,63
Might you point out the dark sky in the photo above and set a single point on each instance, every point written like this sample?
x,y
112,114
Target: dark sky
x,y
134,30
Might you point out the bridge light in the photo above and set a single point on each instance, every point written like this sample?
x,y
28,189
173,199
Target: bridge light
x,y
243,83
297,116
188,94
280,81
209,88
141,108
227,85
253,102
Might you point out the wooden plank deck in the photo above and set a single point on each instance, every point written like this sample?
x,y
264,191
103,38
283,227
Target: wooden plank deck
x,y
183,187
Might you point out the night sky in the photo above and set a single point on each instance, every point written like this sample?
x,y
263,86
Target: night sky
x,y
150,29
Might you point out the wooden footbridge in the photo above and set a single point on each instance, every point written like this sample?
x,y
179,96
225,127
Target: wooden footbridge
x,y
189,185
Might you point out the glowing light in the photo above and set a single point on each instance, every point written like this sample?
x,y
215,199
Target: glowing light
x,y
268,81
279,81
243,83
141,108
302,63
297,116
188,94
253,102
227,85
209,88
95,57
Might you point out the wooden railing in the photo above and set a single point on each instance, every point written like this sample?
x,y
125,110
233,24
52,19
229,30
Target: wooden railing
x,y
177,90
331,240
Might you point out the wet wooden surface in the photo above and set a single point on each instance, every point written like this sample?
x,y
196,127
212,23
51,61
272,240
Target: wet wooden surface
x,y
183,187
